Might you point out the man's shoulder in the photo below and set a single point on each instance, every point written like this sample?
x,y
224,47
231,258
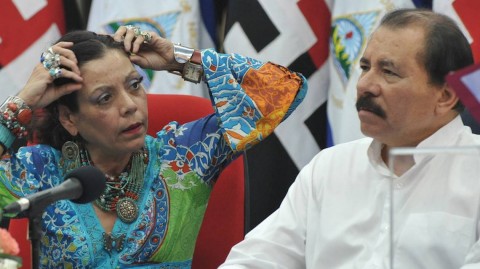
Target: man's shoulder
x,y
467,137
348,149
361,143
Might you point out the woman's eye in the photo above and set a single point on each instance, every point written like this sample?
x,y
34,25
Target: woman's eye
x,y
104,98
136,83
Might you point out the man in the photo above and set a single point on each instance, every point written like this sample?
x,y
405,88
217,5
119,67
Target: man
x,y
347,209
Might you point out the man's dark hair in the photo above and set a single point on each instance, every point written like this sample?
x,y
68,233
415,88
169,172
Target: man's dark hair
x,y
446,49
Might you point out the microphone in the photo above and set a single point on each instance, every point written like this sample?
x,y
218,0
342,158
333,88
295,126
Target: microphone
x,y
81,185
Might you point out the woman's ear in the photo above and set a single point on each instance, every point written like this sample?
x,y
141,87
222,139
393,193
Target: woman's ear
x,y
447,100
66,118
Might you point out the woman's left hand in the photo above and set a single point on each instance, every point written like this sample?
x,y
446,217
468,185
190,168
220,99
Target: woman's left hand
x,y
147,49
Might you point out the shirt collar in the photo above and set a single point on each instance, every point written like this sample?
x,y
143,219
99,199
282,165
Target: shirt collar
x,y
443,137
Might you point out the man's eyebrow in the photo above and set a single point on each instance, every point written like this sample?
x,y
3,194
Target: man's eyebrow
x,y
386,63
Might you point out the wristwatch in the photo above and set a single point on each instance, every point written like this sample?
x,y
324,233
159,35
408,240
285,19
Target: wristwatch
x,y
192,60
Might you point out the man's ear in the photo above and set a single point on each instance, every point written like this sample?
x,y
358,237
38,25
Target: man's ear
x,y
447,100
66,118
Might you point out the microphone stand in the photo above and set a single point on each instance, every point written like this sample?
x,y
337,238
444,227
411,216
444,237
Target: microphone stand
x,y
35,233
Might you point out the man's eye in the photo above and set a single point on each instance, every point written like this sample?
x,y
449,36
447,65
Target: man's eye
x,y
389,72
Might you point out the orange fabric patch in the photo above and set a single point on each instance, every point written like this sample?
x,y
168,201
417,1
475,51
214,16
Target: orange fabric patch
x,y
271,87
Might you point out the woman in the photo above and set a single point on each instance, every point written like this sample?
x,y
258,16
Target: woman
x,y
96,114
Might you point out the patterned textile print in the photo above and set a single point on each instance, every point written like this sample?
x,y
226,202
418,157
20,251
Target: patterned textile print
x,y
19,181
7,197
147,236
94,231
185,160
254,76
225,90
64,247
273,104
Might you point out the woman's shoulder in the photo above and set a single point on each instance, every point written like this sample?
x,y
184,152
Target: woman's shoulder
x,y
38,156
39,150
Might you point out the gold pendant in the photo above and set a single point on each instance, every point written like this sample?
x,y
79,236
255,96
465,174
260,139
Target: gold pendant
x,y
127,210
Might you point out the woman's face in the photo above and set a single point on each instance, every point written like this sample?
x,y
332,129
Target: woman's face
x,y
112,116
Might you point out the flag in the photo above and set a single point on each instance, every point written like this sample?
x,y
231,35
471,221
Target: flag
x,y
344,69
293,34
464,13
352,23
179,21
28,29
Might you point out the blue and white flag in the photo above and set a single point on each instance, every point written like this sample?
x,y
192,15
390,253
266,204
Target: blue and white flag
x,y
179,21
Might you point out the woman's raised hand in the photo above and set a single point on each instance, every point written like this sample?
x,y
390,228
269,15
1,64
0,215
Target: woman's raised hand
x,y
56,62
147,49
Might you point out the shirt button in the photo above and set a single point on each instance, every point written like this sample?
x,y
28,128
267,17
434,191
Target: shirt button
x,y
399,185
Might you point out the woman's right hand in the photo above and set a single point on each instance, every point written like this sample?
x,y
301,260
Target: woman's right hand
x,y
156,54
39,91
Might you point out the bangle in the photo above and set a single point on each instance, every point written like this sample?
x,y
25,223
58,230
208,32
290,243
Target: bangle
x,y
192,60
15,115
6,137
182,54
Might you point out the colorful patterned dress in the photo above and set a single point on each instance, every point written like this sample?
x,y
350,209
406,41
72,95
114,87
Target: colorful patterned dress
x,y
250,99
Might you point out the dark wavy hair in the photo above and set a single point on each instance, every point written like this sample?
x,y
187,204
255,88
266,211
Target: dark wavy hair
x,y
88,46
446,49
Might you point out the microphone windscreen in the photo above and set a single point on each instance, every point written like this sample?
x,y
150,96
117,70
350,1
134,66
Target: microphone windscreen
x,y
93,183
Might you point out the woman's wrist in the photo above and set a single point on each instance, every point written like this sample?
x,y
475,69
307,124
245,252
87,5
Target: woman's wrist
x,y
189,63
15,115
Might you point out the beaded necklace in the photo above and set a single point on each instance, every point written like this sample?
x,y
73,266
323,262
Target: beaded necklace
x,y
122,191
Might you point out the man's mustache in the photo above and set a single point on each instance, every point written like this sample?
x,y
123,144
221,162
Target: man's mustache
x,y
365,102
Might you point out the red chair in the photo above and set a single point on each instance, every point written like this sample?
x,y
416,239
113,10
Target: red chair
x,y
224,222
18,228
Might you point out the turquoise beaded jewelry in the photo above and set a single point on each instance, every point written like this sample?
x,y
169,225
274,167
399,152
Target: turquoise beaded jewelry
x,y
122,192
6,137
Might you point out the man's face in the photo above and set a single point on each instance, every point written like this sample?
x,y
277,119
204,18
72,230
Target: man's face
x,y
395,101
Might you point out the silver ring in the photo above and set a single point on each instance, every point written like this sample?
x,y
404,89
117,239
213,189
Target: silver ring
x,y
55,72
147,37
50,59
136,30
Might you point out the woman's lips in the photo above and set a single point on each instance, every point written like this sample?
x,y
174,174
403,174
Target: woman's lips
x,y
133,128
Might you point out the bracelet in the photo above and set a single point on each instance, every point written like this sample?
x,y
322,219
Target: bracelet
x,y
192,60
15,116
6,138
182,54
